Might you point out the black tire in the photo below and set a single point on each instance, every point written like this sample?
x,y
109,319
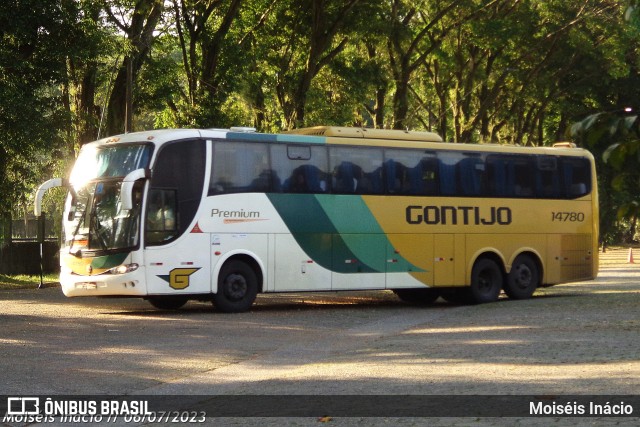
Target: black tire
x,y
168,302
523,279
237,287
420,296
486,281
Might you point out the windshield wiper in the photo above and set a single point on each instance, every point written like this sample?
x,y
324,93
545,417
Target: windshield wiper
x,y
97,230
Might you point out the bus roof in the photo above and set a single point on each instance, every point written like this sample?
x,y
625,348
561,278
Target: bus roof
x,y
337,135
352,132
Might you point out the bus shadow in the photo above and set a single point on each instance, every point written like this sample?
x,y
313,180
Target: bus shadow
x,y
279,304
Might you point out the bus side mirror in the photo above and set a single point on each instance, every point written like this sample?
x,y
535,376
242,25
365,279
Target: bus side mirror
x,y
126,191
52,183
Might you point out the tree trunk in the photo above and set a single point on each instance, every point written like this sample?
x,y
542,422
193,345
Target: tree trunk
x,y
144,20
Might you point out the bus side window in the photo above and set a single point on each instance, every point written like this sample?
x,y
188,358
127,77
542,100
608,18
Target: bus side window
x,y
521,168
393,172
241,167
423,178
356,170
346,177
498,175
447,172
548,180
470,174
302,168
411,172
305,179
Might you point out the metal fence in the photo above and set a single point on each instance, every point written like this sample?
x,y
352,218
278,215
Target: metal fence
x,y
20,244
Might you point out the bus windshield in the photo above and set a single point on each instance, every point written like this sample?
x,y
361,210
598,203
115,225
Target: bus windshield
x,y
108,162
97,222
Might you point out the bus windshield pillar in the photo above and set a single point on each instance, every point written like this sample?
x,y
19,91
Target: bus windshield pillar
x,y
127,187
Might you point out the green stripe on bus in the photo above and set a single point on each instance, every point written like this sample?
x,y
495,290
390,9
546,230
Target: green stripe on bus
x,y
357,228
362,233
109,261
338,232
311,228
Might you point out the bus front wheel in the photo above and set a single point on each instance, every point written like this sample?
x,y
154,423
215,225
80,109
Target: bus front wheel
x,y
237,287
523,279
486,281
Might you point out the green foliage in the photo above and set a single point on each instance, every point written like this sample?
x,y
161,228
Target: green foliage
x,y
34,38
503,71
614,138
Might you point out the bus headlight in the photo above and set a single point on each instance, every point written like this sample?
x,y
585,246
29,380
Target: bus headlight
x,y
122,269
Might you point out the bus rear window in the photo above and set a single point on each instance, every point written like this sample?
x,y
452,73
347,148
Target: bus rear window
x,y
576,174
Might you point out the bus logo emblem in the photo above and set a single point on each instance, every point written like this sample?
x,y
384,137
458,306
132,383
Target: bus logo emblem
x,y
178,278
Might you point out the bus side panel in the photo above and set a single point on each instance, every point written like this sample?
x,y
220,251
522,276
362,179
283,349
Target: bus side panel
x,y
227,245
507,246
181,267
364,272
297,271
417,249
444,261
571,258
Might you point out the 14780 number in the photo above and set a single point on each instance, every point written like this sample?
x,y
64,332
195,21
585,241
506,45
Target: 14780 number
x,y
567,216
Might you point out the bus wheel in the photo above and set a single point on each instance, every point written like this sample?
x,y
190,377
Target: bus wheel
x,y
418,296
523,279
486,281
167,302
237,287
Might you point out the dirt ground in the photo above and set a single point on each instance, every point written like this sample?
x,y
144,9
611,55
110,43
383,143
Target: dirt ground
x,y
573,339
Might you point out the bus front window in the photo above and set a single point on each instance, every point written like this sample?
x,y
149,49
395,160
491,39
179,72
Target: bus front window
x,y
108,162
99,224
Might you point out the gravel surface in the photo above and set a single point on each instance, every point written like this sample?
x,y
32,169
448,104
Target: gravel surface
x,y
573,339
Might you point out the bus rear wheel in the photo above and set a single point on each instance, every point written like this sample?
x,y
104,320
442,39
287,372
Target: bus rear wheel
x,y
486,281
237,287
523,279
421,296
167,302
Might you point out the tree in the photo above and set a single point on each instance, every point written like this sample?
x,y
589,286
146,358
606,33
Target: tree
x,y
504,75
305,38
614,138
417,31
36,38
203,29
138,22
613,135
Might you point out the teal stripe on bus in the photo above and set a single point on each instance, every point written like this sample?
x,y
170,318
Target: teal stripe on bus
x,y
338,232
266,137
312,229
302,139
361,232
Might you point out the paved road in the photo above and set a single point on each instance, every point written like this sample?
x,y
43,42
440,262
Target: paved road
x,y
578,338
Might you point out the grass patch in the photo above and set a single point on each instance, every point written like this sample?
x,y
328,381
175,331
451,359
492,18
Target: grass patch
x,y
26,281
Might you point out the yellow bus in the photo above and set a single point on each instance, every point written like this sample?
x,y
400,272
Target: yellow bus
x,y
222,215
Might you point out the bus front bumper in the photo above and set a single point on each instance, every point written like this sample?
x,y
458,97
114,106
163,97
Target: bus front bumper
x,y
128,284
